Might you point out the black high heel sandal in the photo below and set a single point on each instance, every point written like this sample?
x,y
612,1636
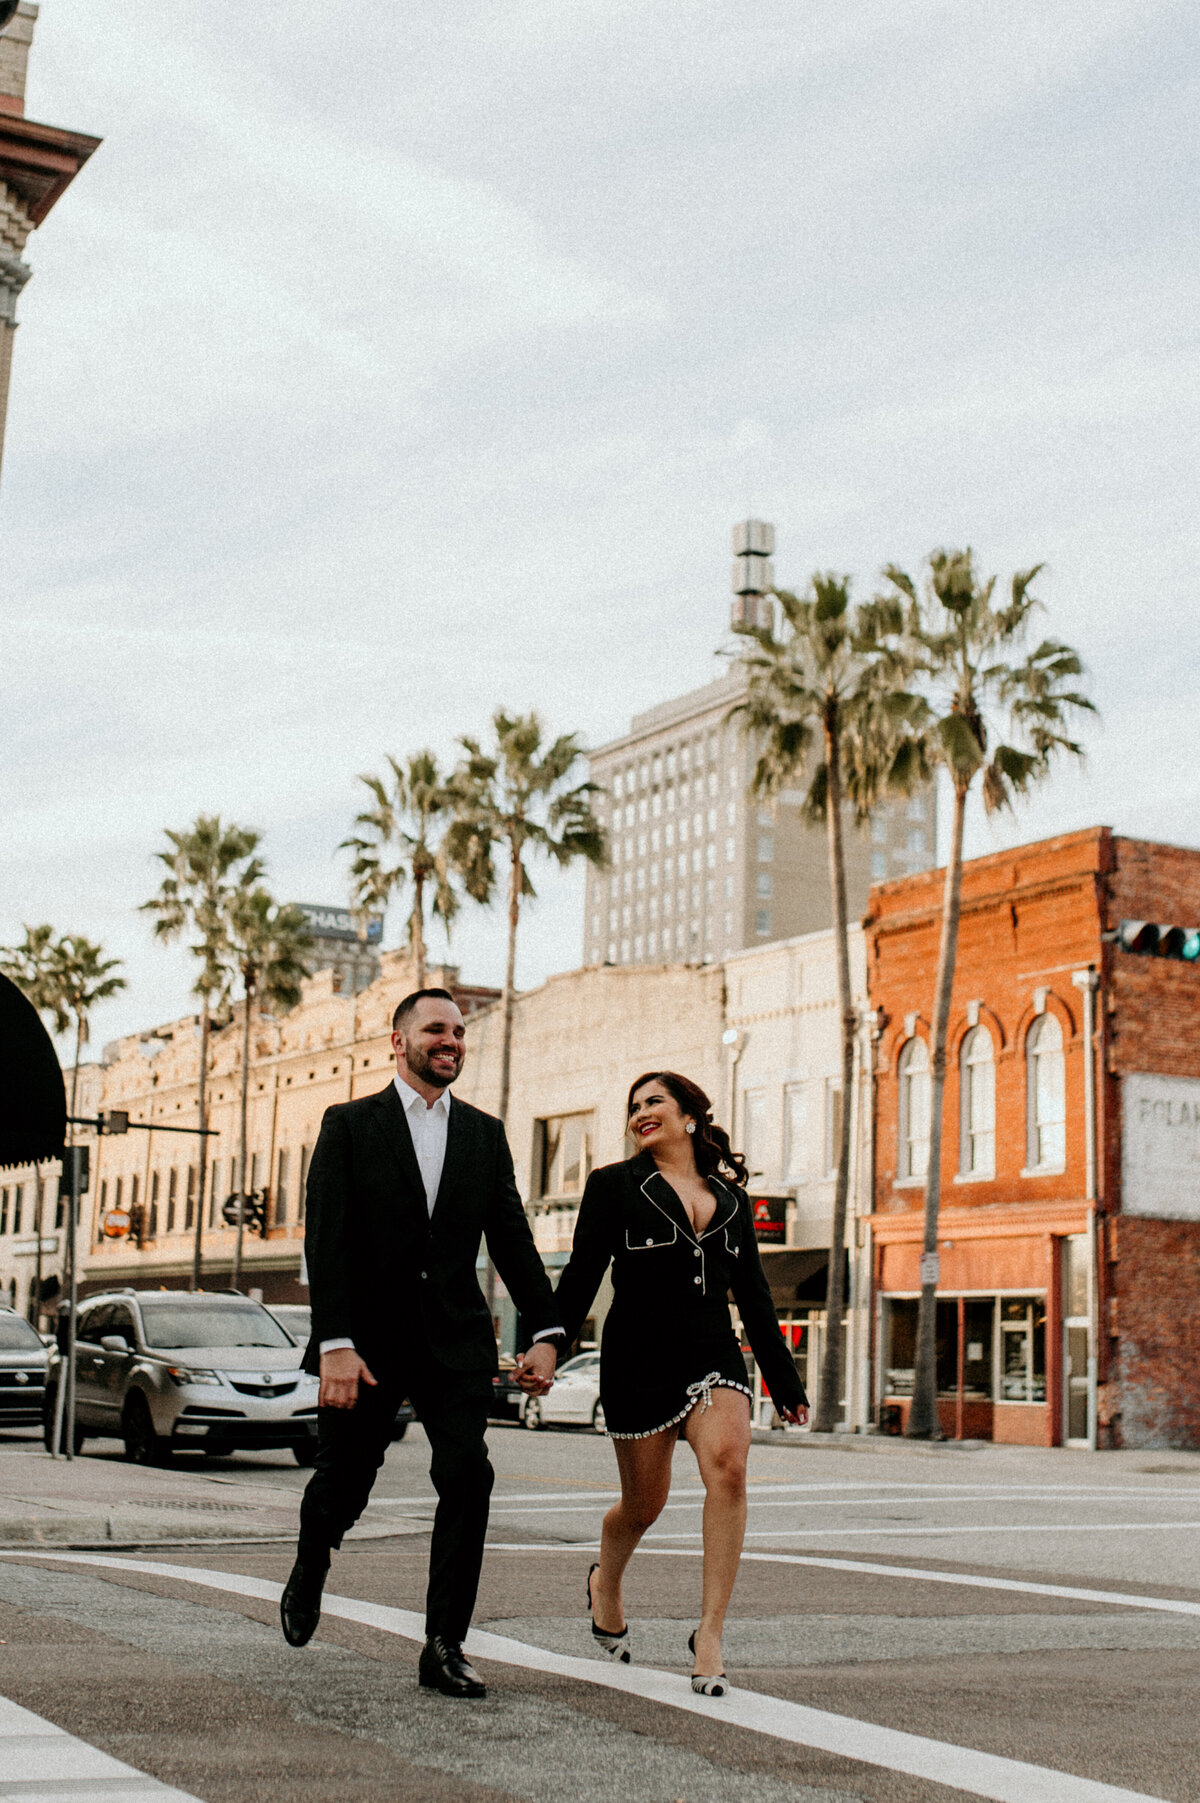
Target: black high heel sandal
x,y
706,1685
615,1645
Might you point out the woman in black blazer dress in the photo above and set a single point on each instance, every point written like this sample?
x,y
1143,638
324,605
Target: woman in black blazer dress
x,y
676,1226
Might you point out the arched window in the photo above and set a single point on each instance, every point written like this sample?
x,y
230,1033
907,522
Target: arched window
x,y
1046,1111
914,1109
977,1087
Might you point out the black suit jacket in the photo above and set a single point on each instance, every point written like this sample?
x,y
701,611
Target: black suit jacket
x,y
382,1272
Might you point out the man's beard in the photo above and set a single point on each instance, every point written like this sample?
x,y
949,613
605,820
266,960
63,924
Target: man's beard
x,y
421,1065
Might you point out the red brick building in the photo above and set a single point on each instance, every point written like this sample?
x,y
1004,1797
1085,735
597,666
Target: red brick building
x,y
1069,1243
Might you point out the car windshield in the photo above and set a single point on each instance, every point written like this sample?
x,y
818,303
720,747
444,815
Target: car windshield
x,y
295,1318
214,1324
17,1335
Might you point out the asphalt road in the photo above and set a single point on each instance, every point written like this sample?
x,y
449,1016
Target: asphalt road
x,y
909,1624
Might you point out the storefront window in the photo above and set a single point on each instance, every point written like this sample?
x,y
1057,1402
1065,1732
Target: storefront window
x,y
900,1346
1022,1349
563,1154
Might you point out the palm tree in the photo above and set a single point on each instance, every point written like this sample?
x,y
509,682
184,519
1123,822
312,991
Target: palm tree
x,y
515,798
268,942
403,817
825,700
206,864
970,651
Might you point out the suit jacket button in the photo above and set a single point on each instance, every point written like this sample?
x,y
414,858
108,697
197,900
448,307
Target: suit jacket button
x,y
697,1251
425,1274
696,1280
649,1242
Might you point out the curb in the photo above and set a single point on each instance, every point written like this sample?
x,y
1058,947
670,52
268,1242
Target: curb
x,y
884,1443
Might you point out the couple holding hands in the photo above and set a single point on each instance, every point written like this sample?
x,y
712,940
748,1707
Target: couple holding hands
x,y
402,1187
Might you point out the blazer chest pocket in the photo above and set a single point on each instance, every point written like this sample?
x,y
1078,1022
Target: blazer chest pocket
x,y
651,1239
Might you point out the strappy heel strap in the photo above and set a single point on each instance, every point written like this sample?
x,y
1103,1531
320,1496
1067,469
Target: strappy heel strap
x,y
705,1684
615,1645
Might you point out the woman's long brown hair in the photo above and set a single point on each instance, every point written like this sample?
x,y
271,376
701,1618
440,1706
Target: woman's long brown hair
x,y
715,1156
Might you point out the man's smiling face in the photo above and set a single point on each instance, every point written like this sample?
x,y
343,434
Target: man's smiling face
x,y
432,1045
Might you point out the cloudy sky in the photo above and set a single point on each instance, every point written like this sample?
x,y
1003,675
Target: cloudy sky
x,y
387,363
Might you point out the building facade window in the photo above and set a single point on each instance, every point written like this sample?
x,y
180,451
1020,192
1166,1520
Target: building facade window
x,y
913,1071
762,923
795,1132
878,866
754,1135
762,885
1046,1110
766,847
977,1090
172,1194
833,1124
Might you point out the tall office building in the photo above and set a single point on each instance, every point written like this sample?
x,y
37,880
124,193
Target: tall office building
x,y
699,869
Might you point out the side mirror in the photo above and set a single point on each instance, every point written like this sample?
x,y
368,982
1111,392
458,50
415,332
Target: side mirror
x,y
114,1342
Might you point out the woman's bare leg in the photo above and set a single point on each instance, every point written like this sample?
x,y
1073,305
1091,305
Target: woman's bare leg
x,y
645,1468
720,1438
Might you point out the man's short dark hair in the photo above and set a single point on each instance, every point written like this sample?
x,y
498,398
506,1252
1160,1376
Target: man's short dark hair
x,y
403,1014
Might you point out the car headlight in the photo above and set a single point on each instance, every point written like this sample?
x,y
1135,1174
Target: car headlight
x,y
184,1374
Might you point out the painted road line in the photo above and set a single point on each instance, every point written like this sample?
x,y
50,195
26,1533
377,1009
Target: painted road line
x,y
937,1762
39,1760
1166,1605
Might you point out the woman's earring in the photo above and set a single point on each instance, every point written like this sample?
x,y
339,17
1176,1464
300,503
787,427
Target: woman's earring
x,y
689,1127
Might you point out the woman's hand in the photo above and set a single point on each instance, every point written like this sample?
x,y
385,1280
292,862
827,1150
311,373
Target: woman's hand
x,y
795,1417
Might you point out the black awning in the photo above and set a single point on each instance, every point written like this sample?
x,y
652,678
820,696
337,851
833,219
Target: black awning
x,y
799,1276
33,1097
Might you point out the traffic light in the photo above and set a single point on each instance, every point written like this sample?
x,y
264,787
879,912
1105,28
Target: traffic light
x,y
1159,939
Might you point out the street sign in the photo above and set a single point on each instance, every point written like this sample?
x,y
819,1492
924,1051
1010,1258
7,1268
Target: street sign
x,y
770,1219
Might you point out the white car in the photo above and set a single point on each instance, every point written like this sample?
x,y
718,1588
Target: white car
x,y
574,1399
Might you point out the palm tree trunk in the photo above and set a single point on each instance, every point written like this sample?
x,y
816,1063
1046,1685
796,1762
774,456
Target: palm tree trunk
x,y
828,1411
922,1420
197,1247
241,1207
416,930
516,873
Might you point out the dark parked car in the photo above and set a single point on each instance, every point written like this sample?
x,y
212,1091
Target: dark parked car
x,y
23,1358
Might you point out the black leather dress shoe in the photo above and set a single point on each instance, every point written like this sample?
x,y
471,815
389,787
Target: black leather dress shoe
x,y
444,1667
300,1604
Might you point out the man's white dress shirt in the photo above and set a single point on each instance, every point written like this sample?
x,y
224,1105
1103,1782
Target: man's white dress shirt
x,y
429,1124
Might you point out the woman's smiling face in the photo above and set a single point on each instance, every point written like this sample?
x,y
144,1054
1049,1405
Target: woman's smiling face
x,y
656,1121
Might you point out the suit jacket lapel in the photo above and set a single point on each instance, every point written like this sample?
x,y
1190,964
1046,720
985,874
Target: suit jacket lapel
x,y
454,1167
393,1124
658,1191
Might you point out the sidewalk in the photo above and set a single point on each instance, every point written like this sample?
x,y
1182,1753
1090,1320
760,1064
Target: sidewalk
x,y
90,1502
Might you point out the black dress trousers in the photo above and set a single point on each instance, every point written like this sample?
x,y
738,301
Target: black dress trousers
x,y
351,1446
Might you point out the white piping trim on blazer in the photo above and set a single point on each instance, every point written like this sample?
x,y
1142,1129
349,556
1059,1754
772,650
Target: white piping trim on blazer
x,y
714,1226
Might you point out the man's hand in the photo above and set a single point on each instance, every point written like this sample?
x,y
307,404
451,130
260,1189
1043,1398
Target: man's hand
x,y
535,1368
341,1372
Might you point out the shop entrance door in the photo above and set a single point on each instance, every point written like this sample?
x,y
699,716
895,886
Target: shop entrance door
x,y
1076,1342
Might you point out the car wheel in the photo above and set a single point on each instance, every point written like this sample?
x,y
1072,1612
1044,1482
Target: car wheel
x,y
533,1413
78,1440
306,1452
142,1445
599,1425
399,1430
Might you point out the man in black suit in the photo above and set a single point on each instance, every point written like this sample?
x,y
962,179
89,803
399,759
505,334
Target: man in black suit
x,y
401,1188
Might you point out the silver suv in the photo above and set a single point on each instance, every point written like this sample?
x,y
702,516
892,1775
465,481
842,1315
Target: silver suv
x,y
164,1369
22,1372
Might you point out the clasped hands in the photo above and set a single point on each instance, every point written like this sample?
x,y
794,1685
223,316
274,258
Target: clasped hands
x,y
342,1371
